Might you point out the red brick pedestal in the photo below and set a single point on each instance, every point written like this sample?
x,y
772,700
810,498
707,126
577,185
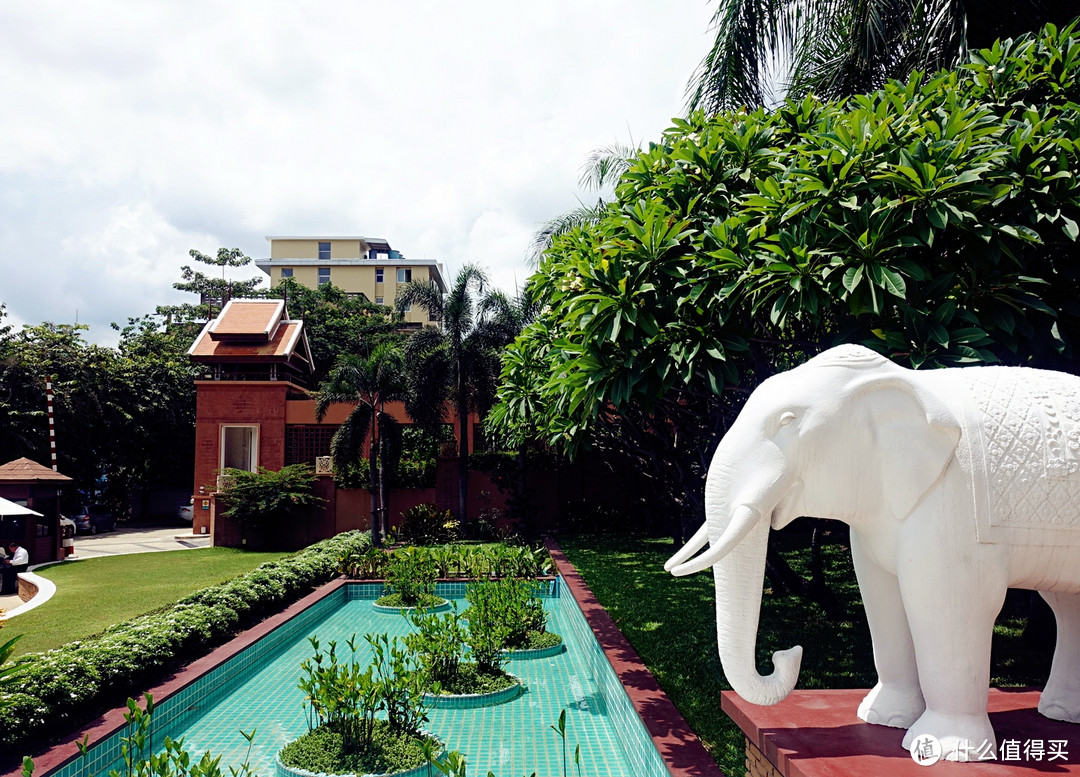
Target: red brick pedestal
x,y
817,734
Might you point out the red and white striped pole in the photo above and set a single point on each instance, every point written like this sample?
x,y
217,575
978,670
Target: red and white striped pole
x,y
52,420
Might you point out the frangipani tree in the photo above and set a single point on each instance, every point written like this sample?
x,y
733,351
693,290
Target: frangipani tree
x,y
934,220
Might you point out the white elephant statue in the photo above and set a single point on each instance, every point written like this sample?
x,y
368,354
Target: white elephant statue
x,y
957,484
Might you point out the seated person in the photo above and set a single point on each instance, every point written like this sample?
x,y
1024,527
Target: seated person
x,y
17,561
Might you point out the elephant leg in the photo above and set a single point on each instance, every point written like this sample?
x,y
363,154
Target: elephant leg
x,y
952,599
1060,699
897,699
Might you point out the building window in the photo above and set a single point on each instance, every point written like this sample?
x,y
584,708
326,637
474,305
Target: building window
x,y
404,275
303,444
379,301
240,447
324,275
324,252
286,272
379,274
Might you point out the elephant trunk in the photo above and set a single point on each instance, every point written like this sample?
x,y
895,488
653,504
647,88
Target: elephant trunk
x,y
738,577
747,482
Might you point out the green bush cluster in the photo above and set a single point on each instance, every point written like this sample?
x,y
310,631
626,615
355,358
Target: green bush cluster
x,y
410,574
507,609
439,644
344,699
455,561
425,524
64,687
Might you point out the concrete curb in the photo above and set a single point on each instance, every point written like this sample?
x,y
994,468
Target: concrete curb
x,y
45,590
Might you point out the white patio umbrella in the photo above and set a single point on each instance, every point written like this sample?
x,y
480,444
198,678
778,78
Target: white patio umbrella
x,y
10,508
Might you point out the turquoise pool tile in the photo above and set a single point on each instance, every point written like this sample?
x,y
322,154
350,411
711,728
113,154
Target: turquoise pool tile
x,y
257,690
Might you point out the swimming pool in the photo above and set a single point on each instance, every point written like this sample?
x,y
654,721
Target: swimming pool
x,y
256,689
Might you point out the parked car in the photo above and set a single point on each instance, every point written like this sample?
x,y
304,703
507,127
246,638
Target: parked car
x,y
186,512
90,519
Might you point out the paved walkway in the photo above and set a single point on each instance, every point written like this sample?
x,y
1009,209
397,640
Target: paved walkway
x,y
138,539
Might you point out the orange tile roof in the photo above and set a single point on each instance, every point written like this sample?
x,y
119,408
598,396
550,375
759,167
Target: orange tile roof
x,y
26,470
281,345
248,319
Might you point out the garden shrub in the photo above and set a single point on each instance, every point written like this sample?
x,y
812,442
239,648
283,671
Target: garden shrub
x,y
343,698
505,613
425,524
453,560
411,578
62,688
439,645
438,642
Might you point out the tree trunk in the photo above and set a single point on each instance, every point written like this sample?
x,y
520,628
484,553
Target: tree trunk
x,y
463,445
373,480
786,580
384,477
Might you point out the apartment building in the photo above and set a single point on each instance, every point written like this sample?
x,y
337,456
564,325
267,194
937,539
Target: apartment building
x,y
357,265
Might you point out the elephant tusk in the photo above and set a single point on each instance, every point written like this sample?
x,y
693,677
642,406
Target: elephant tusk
x,y
692,546
742,521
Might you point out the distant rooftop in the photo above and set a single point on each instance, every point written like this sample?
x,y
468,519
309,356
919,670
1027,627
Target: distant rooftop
x,y
250,320
25,470
371,241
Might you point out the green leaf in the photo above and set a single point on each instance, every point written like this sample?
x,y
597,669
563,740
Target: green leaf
x,y
851,278
1070,228
893,283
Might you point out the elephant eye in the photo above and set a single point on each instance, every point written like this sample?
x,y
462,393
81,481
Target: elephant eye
x,y
786,418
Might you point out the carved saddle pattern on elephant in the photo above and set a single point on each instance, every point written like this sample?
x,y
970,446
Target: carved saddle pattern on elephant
x,y
1023,447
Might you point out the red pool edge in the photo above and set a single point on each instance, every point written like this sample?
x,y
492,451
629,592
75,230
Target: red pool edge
x,y
678,745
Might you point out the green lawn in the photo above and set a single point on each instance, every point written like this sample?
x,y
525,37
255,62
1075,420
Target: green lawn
x,y
99,592
671,623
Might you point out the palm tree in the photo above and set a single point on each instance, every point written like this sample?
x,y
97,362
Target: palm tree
x,y
369,381
457,361
601,170
836,48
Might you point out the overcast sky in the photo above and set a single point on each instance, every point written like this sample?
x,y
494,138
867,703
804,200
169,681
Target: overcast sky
x,y
134,131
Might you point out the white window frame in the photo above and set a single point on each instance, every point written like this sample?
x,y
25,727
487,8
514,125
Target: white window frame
x,y
380,274
319,276
253,454
320,252
379,301
404,274
286,272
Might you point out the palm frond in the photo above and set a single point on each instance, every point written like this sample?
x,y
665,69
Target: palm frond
x,y
459,307
749,36
583,215
425,294
347,444
431,373
605,166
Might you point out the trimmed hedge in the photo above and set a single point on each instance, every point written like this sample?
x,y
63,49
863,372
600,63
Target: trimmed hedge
x,y
68,686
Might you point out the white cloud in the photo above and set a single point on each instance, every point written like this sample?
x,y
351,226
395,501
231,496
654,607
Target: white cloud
x,y
135,131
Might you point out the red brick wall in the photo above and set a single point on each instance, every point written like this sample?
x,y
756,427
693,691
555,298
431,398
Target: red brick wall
x,y
225,403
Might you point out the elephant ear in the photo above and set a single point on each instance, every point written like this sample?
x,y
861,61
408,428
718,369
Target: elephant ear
x,y
915,436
